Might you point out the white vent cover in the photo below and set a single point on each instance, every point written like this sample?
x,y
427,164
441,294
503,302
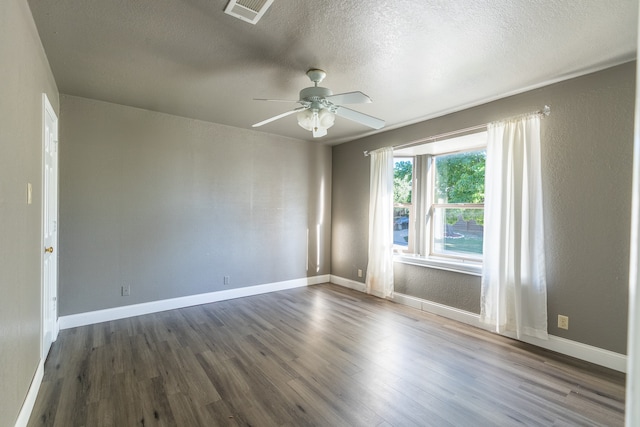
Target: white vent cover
x,y
248,10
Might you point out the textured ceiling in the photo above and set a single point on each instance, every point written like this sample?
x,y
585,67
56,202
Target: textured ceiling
x,y
416,59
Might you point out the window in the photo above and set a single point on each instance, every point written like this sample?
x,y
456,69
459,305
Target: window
x,y
457,208
439,203
402,207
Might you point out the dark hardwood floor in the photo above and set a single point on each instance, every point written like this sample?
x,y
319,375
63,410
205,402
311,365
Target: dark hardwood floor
x,y
321,355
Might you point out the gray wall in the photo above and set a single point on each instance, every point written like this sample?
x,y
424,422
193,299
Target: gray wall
x,y
170,206
24,76
587,145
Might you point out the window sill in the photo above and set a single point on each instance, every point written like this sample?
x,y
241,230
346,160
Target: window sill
x,y
472,268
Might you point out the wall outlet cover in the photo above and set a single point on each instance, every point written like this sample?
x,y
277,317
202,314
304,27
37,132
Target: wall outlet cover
x,y
563,322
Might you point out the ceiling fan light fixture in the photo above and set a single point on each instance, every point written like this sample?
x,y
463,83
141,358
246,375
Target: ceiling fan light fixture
x,y
326,118
316,121
305,119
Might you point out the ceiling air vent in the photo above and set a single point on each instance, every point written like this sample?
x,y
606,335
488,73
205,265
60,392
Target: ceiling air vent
x,y
248,10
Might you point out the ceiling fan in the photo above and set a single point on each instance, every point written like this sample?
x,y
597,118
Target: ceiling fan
x,y
320,106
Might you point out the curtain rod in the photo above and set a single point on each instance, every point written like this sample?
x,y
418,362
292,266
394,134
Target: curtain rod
x,y
544,112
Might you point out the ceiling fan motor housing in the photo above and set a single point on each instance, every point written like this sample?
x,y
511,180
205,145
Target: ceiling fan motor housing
x,y
314,93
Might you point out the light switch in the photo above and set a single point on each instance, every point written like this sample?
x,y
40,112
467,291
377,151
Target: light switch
x,y
29,193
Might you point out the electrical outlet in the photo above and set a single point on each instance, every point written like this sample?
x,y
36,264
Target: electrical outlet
x,y
359,272
126,290
226,280
563,322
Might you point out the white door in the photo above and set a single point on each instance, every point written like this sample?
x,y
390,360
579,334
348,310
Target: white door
x,y
49,228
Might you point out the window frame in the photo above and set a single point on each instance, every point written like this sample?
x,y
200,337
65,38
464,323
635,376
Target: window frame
x,y
423,204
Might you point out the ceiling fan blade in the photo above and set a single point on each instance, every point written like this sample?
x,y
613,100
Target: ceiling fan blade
x,y
274,100
279,116
349,98
359,117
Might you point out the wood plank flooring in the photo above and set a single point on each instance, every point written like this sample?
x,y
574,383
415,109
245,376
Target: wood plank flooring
x,y
316,356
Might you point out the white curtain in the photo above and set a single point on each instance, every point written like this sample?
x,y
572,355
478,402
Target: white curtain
x,y
379,280
514,288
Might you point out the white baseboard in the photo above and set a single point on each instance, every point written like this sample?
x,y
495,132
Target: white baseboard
x,y
439,309
32,394
596,355
589,353
98,316
348,283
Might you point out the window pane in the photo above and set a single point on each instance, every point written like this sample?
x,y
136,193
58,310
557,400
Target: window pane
x,y
401,226
460,177
458,231
402,180
402,189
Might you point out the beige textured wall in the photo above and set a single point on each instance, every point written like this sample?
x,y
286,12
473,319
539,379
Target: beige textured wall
x,y
586,154
24,76
169,206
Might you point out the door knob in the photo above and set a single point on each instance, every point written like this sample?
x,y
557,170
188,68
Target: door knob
x,y
49,249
